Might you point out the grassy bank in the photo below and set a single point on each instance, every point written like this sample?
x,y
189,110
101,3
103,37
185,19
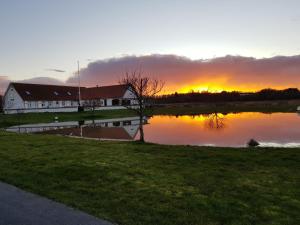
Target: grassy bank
x,y
171,109
138,184
227,107
10,120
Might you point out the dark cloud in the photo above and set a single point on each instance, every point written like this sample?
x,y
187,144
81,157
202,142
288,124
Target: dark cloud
x,y
229,72
56,70
43,80
4,81
3,84
183,74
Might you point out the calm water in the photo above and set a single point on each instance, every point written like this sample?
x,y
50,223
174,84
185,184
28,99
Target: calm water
x,y
276,129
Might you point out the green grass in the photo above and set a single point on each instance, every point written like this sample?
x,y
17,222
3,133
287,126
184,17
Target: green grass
x,y
130,183
10,120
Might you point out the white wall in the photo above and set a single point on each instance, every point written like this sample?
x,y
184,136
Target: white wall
x,y
129,95
13,103
49,104
12,100
41,110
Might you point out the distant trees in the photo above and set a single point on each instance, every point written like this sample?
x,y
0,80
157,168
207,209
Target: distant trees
x,y
265,94
145,89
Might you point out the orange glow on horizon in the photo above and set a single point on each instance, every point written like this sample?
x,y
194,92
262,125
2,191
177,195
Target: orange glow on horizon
x,y
217,88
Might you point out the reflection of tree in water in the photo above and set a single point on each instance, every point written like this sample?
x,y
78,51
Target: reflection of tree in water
x,y
215,121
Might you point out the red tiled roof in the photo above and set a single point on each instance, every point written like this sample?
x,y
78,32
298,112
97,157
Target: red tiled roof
x,y
113,91
41,92
35,92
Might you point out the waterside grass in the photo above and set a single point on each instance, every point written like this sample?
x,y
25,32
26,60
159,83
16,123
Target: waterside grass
x,y
131,183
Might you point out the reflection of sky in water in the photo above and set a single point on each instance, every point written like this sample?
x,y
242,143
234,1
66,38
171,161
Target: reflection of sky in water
x,y
271,130
274,129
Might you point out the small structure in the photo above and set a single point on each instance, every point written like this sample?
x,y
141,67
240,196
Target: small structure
x,y
26,98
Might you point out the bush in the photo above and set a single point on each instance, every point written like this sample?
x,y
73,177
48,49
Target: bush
x,y
253,143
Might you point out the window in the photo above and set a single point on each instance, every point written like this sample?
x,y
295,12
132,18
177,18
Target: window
x,y
116,124
115,102
126,123
125,102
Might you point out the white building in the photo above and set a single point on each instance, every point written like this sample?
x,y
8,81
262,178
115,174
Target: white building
x,y
26,98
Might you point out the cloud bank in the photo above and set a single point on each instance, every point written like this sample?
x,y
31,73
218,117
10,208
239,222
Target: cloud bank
x,y
183,74
3,84
4,81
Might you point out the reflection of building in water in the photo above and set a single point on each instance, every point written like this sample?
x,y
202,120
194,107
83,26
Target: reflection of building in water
x,y
121,129
120,133
125,130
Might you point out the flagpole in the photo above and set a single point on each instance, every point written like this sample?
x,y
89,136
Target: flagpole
x,y
79,94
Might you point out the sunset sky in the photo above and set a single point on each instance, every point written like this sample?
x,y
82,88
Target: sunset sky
x,y
190,44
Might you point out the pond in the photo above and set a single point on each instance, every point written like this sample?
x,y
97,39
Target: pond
x,y
232,130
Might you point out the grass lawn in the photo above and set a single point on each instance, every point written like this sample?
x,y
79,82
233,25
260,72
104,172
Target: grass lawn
x,y
10,120
130,183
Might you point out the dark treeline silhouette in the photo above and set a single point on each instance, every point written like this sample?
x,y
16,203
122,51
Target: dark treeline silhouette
x,y
263,95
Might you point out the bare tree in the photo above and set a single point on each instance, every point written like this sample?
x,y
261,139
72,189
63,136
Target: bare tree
x,y
144,88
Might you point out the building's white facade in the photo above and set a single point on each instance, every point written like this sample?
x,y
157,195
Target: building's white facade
x,y
110,103
13,102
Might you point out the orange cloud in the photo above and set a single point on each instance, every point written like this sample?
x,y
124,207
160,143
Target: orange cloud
x,y
183,74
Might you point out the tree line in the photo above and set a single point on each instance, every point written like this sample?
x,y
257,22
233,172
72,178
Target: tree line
x,y
224,96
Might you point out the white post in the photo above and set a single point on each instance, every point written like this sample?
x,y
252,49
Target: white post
x,y
79,94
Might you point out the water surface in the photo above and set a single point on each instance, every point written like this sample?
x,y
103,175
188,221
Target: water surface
x,y
233,129
276,129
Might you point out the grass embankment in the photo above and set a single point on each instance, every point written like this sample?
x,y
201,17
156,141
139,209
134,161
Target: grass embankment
x,y
137,184
12,119
227,107
169,109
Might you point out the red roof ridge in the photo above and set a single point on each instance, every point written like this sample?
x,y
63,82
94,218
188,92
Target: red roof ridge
x,y
34,92
52,85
